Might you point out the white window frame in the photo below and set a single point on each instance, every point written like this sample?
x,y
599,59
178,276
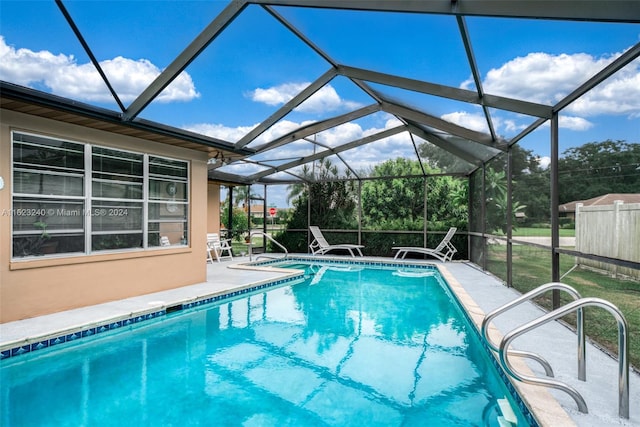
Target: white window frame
x,y
87,198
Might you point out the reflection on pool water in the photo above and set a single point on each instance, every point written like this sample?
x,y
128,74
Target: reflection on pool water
x,y
348,346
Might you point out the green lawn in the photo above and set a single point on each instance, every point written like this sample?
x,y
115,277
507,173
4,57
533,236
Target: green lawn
x,y
542,232
532,268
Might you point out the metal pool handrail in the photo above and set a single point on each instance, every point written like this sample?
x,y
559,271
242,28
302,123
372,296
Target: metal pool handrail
x,y
271,239
526,297
623,356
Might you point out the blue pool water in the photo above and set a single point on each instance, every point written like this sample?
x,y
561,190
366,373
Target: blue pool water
x,y
348,346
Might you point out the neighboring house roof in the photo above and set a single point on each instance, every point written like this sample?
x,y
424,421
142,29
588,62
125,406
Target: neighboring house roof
x,y
606,199
257,208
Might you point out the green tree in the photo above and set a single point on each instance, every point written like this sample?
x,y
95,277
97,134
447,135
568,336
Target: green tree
x,y
392,202
239,222
496,201
240,195
527,174
333,198
532,190
598,168
333,204
298,189
447,203
439,159
398,203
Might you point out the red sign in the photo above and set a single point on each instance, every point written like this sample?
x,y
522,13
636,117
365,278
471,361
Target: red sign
x,y
273,211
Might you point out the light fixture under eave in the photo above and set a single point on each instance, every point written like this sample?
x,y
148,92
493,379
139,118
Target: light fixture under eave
x,y
217,160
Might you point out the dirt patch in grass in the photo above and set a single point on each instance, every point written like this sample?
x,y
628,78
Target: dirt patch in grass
x,y
585,282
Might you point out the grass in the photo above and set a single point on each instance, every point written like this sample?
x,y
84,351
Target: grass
x,y
532,268
240,246
542,232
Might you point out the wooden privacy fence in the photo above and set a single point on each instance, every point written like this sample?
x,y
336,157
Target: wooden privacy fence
x,y
612,231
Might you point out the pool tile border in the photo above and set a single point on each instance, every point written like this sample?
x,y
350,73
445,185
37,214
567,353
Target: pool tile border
x,y
43,342
345,261
68,336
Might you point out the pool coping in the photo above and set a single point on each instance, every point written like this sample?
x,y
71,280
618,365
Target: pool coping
x,y
159,308
541,405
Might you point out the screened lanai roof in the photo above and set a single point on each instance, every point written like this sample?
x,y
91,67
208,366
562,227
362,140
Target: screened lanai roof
x,y
268,87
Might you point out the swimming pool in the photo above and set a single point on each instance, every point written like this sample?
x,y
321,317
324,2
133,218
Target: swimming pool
x,y
350,345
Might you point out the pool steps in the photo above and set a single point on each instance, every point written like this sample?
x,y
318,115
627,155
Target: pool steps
x,y
508,417
575,306
527,297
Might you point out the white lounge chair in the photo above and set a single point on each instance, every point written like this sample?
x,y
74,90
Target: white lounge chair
x,y
321,246
444,251
217,248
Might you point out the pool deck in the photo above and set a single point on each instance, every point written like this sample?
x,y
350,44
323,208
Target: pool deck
x,y
478,291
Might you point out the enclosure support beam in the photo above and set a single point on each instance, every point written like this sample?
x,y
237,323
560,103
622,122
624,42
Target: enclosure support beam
x,y
596,10
182,61
509,217
425,213
555,223
309,211
471,191
483,214
230,214
359,211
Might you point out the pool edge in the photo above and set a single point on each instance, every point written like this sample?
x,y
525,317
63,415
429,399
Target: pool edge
x,y
542,405
35,342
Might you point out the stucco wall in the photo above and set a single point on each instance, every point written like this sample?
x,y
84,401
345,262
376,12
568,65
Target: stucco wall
x,y
30,288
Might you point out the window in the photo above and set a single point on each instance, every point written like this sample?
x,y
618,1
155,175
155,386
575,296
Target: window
x,y
117,199
71,198
168,201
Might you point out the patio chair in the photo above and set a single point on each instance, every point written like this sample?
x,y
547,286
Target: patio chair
x,y
320,246
444,251
217,247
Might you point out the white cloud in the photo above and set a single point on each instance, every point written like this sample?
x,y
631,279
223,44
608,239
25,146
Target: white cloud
x,y
362,158
281,128
277,95
570,122
475,122
468,84
65,77
226,133
620,94
544,162
574,123
324,100
234,134
546,78
340,134
511,126
478,122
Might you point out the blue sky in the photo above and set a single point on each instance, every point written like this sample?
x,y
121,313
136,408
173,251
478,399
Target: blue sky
x,y
256,65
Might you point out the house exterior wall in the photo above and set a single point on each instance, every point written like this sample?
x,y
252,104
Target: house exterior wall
x,y
33,287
